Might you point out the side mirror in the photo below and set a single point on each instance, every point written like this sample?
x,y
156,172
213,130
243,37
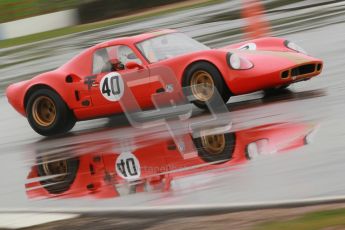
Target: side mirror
x,y
133,65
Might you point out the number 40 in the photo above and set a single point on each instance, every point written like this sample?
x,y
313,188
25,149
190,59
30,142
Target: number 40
x,y
128,167
114,86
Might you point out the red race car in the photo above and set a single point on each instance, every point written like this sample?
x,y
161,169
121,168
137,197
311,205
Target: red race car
x,y
93,83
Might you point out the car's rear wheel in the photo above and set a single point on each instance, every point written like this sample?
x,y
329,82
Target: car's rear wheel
x,y
62,173
216,147
204,79
48,114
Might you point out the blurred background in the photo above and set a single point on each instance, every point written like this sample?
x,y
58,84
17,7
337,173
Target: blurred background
x,y
37,35
87,10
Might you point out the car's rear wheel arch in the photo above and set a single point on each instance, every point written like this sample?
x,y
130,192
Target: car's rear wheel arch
x,y
34,88
47,112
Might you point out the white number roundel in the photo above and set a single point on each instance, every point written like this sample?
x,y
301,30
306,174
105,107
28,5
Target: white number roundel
x,y
127,166
112,86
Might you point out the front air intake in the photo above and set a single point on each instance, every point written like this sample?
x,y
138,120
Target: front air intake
x,y
285,74
303,69
319,67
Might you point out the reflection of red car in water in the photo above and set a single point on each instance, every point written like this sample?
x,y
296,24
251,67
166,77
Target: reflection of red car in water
x,y
105,175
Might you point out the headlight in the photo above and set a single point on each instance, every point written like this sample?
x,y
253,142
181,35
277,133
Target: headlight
x,y
295,47
238,63
257,148
235,61
252,151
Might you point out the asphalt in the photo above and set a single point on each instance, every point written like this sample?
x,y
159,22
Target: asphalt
x,y
312,171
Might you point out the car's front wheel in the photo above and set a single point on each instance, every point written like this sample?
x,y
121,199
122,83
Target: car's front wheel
x,y
48,114
204,79
216,147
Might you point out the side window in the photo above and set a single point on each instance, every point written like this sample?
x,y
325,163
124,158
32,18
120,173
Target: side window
x,y
100,60
126,54
113,58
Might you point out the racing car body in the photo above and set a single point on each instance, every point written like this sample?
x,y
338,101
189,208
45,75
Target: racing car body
x,y
93,83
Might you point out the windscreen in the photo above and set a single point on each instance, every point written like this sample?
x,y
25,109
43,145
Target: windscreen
x,y
168,46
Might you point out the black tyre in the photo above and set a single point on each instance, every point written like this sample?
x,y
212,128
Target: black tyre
x,y
63,173
203,79
218,147
48,114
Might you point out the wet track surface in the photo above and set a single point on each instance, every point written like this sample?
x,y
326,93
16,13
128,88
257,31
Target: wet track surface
x,y
305,171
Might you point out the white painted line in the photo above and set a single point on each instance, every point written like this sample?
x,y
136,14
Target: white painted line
x,y
24,220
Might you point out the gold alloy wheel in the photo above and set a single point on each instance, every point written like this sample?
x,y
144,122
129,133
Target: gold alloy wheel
x,y
56,168
213,144
44,111
202,85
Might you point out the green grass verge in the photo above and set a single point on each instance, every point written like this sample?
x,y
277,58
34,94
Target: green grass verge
x,y
97,25
17,9
311,221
